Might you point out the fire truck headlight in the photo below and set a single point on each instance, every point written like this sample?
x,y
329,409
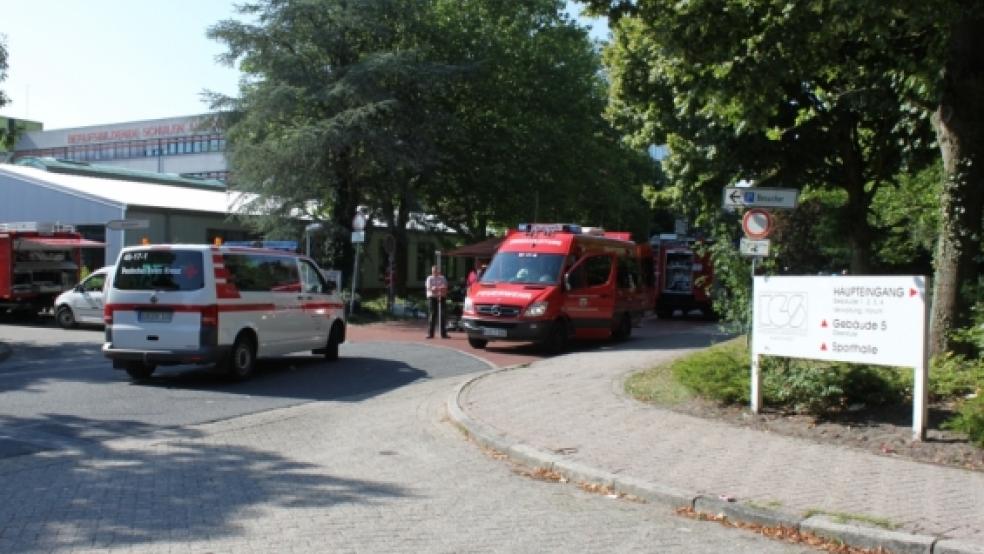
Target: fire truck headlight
x,y
469,305
536,309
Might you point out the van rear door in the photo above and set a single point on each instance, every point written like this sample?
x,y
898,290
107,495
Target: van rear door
x,y
157,299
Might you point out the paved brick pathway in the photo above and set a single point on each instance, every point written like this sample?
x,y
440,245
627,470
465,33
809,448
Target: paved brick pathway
x,y
574,405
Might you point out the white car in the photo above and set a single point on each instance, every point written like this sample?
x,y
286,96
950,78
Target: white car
x,y
84,303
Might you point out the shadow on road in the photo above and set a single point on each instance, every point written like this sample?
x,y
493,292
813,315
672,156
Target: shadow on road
x,y
179,488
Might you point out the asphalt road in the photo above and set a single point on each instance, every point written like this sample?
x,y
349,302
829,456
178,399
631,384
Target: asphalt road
x,y
352,456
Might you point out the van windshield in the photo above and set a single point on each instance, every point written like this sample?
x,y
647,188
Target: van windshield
x,y
160,270
524,267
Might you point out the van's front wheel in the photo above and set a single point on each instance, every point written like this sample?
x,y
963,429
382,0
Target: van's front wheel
x,y
477,343
242,359
556,341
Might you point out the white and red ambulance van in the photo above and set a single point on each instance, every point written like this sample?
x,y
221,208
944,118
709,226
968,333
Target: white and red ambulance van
x,y
203,304
550,283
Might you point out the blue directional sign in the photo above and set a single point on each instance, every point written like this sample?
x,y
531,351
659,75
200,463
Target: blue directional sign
x,y
765,197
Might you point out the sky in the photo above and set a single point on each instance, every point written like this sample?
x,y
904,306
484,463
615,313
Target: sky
x,y
74,63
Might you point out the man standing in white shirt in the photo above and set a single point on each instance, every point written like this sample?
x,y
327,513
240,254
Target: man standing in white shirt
x,y
437,290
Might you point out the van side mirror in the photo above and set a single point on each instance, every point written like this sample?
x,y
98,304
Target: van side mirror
x,y
567,281
79,288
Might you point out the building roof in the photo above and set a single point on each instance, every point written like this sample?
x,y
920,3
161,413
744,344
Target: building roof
x,y
130,193
72,167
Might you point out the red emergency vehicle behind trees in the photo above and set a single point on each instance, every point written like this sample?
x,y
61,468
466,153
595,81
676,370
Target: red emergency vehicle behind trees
x,y
37,262
550,283
683,276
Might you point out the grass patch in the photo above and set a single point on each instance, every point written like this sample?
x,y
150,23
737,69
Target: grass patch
x,y
718,373
658,386
846,517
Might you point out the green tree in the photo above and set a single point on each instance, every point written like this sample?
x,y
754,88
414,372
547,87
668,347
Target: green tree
x,y
467,110
826,94
4,139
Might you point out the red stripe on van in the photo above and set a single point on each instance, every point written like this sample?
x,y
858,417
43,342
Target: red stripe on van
x,y
226,291
196,308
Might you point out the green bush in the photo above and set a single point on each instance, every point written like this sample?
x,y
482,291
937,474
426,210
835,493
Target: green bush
x,y
952,376
719,373
799,386
969,419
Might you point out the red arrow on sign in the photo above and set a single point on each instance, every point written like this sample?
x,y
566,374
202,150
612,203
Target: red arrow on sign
x,y
823,324
823,347
913,292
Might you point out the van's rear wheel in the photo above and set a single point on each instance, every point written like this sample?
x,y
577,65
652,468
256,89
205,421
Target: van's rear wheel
x,y
242,358
477,343
65,317
331,347
140,372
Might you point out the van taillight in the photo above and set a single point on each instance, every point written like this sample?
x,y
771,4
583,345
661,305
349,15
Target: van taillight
x,y
108,314
210,316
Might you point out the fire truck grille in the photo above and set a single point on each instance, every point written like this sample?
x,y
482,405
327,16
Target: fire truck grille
x,y
497,310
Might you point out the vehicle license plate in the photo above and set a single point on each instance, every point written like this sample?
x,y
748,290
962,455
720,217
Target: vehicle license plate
x,y
154,316
493,332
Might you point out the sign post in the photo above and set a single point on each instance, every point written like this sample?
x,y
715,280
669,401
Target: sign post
x,y
874,319
358,237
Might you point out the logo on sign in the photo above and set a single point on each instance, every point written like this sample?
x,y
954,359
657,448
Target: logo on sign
x,y
783,312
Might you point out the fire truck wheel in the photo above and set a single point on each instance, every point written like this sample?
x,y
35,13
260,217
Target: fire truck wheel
x,y
624,329
556,341
477,343
65,317
140,372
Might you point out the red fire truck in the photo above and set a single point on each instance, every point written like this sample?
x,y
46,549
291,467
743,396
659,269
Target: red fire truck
x,y
37,262
683,277
549,283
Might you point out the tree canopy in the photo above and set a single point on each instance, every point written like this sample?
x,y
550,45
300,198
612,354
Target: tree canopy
x,y
3,76
478,112
836,95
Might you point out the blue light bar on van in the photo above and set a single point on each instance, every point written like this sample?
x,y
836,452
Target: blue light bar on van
x,y
288,245
549,228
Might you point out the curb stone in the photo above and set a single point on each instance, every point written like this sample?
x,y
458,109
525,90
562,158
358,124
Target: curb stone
x,y
955,546
869,537
736,511
849,534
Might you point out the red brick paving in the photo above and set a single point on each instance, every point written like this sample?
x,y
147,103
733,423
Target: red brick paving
x,y
500,354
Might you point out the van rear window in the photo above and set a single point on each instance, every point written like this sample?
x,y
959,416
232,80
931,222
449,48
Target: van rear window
x,y
160,270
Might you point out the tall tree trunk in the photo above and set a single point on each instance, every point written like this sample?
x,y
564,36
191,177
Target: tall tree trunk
x,y
959,124
855,223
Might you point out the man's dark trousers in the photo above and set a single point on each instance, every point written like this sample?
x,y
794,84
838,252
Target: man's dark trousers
x,y
433,303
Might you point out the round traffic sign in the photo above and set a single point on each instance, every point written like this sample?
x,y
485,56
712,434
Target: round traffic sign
x,y
757,223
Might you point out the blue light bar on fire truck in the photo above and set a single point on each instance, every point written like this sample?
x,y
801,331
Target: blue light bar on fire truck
x,y
547,228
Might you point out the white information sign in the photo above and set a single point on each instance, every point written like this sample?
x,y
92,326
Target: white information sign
x,y
861,319
358,236
749,247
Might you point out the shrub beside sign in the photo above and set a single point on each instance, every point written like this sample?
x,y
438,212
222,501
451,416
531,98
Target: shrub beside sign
x,y
877,320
